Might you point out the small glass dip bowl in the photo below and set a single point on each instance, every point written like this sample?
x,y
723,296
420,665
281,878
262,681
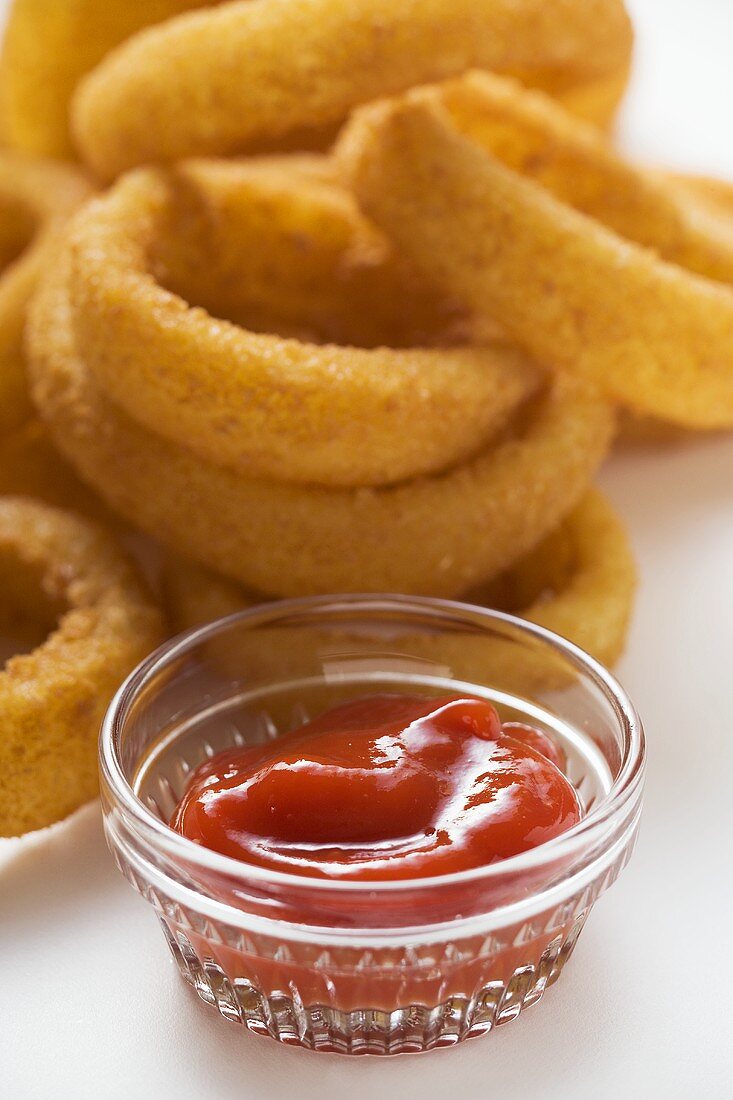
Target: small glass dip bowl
x,y
366,967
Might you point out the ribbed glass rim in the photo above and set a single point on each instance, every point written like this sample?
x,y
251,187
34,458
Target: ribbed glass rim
x,y
622,790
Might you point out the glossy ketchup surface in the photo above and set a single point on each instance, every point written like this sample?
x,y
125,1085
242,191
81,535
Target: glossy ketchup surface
x,y
384,787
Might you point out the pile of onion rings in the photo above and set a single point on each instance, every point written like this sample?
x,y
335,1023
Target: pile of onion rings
x,y
68,578
356,304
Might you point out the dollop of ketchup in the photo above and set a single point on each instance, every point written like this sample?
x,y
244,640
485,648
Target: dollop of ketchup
x,y
385,786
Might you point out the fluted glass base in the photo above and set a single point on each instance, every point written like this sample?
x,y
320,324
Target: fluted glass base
x,y
285,1017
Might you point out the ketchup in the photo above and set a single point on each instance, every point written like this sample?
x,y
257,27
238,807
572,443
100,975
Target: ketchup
x,y
384,787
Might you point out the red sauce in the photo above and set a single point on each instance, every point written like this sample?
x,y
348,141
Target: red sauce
x,y
384,787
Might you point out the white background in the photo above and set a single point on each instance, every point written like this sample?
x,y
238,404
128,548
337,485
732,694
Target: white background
x,y
90,1004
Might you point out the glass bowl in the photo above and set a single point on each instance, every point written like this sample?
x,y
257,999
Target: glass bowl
x,y
365,967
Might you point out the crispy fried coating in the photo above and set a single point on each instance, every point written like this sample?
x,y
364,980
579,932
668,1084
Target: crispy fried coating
x,y
436,535
268,238
220,81
48,46
66,575
593,267
35,198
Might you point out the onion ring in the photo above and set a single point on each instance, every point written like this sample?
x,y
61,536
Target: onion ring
x,y
261,70
578,582
56,565
267,406
287,539
35,196
655,332
47,47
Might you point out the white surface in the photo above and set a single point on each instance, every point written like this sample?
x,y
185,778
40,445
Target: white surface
x,y
90,1005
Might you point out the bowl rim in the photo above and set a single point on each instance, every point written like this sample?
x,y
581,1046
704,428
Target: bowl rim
x,y
622,791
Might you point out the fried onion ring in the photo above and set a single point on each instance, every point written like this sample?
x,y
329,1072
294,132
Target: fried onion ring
x,y
48,46
267,406
250,71
35,196
578,582
653,327
437,535
67,574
